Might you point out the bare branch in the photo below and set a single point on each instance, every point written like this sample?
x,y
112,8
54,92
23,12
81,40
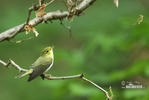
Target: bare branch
x,y
49,2
29,14
13,64
10,33
49,77
83,5
97,86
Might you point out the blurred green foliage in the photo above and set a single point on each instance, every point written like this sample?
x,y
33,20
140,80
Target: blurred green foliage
x,y
107,45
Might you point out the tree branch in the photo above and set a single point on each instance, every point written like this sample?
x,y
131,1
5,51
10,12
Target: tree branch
x,y
13,64
49,77
10,33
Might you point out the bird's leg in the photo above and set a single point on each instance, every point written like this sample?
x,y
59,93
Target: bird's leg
x,y
42,76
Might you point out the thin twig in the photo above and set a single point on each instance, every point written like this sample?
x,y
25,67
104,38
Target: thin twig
x,y
11,62
49,77
41,2
10,33
29,14
49,2
97,86
34,7
20,41
110,88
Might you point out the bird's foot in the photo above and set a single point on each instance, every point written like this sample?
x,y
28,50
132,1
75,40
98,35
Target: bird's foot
x,y
42,76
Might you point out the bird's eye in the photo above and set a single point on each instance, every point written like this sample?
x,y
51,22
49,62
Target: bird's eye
x,y
47,51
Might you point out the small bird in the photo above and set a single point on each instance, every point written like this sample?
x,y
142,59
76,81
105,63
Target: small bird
x,y
41,65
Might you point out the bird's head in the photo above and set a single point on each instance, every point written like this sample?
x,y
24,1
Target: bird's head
x,y
48,51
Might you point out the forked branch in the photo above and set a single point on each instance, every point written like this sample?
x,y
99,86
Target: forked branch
x,y
11,62
56,15
49,77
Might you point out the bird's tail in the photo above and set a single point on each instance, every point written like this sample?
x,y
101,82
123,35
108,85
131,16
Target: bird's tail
x,y
26,73
33,75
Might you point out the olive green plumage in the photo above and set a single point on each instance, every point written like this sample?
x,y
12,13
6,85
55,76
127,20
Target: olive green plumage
x,y
41,65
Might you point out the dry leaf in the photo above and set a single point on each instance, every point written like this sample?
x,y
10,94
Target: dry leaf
x,y
28,28
116,3
40,13
140,19
36,33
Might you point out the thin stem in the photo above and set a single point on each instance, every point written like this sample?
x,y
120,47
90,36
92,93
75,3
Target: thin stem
x,y
28,17
13,64
49,77
49,2
97,86
34,7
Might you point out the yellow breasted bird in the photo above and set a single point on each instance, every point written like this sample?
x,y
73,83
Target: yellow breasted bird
x,y
41,65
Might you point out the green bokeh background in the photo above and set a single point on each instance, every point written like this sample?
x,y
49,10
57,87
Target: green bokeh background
x,y
106,44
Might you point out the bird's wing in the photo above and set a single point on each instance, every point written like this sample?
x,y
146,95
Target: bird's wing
x,y
39,67
36,63
41,61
